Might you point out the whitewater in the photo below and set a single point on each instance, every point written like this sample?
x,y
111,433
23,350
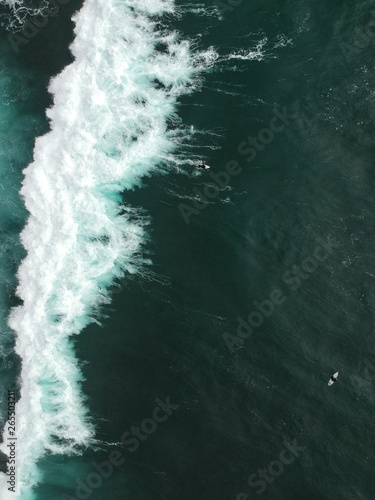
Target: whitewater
x,y
113,121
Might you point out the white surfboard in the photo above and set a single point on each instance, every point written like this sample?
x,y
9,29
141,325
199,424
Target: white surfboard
x,y
207,167
335,375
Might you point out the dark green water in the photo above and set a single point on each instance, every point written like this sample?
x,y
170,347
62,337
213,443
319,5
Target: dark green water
x,y
164,338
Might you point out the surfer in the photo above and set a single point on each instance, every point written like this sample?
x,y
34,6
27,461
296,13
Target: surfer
x,y
203,165
333,378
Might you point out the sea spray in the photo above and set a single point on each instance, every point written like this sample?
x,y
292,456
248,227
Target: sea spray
x,y
113,121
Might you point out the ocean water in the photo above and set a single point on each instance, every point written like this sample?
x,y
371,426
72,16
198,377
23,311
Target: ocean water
x,y
170,332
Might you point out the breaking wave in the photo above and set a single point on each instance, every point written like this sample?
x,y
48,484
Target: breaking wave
x,y
113,121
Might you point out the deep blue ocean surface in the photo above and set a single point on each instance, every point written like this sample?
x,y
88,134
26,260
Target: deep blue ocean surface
x,y
169,331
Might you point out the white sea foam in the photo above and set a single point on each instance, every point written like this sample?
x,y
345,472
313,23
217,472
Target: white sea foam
x,y
262,51
282,41
256,54
201,9
19,13
113,121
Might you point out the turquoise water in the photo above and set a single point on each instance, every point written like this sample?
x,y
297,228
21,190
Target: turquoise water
x,y
251,416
